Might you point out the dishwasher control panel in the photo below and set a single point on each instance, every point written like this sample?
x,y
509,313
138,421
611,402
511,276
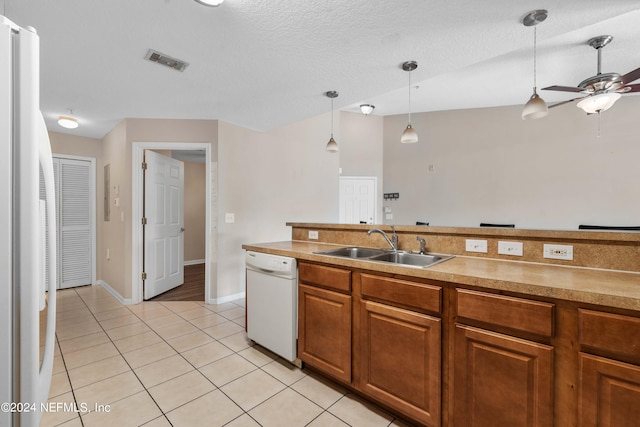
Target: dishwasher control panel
x,y
268,262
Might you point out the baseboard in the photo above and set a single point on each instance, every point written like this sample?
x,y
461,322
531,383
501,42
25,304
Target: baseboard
x,y
194,262
114,293
228,298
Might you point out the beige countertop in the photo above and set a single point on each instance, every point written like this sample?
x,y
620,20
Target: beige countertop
x,y
592,286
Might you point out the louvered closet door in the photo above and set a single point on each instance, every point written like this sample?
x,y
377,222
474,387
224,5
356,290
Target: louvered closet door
x,y
75,223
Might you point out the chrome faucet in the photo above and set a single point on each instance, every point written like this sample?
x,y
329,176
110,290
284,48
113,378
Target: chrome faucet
x,y
423,248
393,242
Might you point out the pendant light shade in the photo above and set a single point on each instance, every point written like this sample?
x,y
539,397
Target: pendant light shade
x,y
332,145
409,136
535,108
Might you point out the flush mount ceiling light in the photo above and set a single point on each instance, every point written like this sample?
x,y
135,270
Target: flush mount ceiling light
x,y
535,108
409,136
367,109
210,2
332,145
68,122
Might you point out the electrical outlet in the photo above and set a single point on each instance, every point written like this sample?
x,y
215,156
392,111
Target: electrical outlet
x,y
510,248
313,235
230,218
476,246
558,252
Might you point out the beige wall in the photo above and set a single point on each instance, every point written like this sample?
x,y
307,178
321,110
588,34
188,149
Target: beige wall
x,y
194,211
267,179
492,166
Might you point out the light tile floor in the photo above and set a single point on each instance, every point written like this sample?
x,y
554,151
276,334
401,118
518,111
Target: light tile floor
x,y
182,364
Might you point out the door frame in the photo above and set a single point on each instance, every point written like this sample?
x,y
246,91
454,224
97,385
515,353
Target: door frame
x,y
137,204
92,214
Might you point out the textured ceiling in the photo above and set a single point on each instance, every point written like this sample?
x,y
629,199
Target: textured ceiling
x,y
263,64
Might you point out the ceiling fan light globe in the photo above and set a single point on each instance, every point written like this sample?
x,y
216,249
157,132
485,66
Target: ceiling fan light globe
x,y
535,108
409,136
598,103
332,146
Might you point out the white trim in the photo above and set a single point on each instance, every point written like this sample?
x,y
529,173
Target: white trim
x,y
136,210
195,261
114,293
227,298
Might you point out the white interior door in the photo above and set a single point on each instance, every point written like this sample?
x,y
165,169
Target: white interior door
x,y
358,200
164,230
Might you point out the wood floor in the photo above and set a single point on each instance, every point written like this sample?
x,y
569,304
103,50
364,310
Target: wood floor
x,y
191,290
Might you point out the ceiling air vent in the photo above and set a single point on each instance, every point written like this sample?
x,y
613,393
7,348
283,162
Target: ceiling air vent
x,y
161,58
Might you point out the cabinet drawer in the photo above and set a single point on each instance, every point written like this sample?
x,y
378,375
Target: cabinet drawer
x,y
612,333
328,277
426,297
518,314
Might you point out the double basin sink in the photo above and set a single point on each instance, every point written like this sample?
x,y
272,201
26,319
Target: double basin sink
x,y
387,256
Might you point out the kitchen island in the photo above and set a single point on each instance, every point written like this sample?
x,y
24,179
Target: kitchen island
x,y
475,340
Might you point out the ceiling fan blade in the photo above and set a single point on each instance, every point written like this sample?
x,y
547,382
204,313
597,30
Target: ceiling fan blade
x,y
631,76
564,102
564,88
631,88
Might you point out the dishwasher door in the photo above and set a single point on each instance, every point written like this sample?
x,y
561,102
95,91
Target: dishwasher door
x,y
272,303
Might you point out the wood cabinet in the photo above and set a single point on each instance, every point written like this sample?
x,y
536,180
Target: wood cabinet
x,y
400,360
609,386
324,321
502,379
439,354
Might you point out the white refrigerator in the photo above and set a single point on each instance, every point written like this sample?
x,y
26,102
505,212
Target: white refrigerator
x,y
25,376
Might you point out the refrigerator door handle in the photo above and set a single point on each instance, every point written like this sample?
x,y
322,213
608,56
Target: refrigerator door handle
x,y
46,162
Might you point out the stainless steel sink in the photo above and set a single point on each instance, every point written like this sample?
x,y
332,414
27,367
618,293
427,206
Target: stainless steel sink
x,y
353,252
407,258
388,256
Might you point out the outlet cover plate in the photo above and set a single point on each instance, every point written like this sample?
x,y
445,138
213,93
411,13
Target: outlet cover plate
x,y
564,252
476,246
510,248
313,235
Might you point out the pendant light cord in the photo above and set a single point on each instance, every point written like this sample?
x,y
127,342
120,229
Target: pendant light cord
x,y
409,97
535,45
331,117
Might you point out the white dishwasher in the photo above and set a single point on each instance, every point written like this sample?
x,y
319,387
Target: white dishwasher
x,y
272,302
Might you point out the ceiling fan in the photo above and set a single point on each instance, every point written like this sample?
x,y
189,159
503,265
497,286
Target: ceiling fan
x,y
602,90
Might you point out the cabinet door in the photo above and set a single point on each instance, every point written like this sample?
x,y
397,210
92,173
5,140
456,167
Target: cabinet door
x,y
400,360
501,380
609,393
324,331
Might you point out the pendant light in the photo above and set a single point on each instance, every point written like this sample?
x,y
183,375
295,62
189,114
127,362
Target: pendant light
x,y
332,145
409,136
535,108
